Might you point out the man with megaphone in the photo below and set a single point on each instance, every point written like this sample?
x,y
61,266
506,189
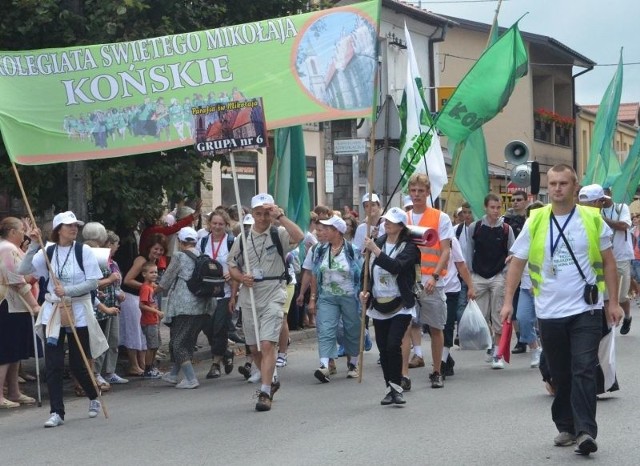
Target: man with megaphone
x,y
432,309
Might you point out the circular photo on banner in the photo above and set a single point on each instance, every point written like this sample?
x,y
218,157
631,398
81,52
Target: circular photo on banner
x,y
335,59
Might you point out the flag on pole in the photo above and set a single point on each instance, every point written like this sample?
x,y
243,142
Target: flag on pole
x,y
420,149
624,188
471,167
472,173
486,88
603,166
288,177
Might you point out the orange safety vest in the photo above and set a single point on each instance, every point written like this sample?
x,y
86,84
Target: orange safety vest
x,y
429,256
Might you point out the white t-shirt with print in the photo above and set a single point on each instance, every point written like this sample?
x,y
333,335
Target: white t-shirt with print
x,y
385,285
622,245
336,275
68,271
561,290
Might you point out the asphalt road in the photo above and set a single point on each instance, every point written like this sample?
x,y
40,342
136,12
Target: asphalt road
x,y
481,417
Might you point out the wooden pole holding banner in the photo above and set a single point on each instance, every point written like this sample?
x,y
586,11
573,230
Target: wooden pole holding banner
x,y
245,246
64,304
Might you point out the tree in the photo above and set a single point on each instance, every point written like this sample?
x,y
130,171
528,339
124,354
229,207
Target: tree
x,y
126,189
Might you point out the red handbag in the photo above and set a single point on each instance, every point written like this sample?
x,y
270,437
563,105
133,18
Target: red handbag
x,y
504,348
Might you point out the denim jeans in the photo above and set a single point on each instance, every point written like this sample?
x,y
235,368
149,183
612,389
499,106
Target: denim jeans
x,y
527,317
389,333
330,309
571,350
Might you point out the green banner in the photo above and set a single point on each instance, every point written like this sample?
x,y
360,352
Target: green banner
x,y
486,88
111,100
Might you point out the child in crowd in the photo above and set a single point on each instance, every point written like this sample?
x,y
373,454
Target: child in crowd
x,y
150,319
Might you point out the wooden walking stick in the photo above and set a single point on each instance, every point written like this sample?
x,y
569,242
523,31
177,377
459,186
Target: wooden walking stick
x,y
64,304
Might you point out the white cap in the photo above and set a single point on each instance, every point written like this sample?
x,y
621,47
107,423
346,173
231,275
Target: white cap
x,y
396,215
66,218
248,220
592,192
458,211
407,202
188,235
261,199
335,222
374,198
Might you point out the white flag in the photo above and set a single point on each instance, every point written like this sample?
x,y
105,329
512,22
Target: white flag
x,y
420,149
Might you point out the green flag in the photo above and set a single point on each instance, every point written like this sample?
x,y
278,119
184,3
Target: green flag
x,y
471,167
624,188
472,174
486,88
603,166
288,177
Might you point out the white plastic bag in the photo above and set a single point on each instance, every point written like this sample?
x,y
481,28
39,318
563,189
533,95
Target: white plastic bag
x,y
607,358
473,331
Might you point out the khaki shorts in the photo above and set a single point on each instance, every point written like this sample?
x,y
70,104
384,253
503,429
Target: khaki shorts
x,y
432,308
624,281
270,316
291,289
152,335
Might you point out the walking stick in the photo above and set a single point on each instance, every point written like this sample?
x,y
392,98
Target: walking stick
x,y
245,247
64,304
35,349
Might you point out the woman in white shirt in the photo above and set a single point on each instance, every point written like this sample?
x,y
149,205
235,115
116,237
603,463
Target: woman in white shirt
x,y
67,303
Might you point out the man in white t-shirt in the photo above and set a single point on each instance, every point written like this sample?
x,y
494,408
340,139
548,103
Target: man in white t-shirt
x,y
567,246
373,212
618,217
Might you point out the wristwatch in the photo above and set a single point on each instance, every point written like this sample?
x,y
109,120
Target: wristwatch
x,y
436,276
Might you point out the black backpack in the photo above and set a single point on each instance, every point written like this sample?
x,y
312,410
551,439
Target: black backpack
x,y
207,280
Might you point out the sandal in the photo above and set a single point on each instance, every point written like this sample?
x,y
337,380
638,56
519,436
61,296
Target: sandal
x,y
8,404
79,391
24,400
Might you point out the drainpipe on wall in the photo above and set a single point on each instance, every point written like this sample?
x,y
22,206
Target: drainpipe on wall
x,y
575,115
442,31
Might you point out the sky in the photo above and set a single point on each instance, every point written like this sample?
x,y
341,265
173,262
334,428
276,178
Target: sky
x,y
595,29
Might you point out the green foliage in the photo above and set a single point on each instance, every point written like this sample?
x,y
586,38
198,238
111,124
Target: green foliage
x,y
123,190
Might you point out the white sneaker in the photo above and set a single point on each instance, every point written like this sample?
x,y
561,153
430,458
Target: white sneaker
x,y
54,421
535,357
497,363
281,361
255,377
94,408
116,379
100,380
186,383
170,379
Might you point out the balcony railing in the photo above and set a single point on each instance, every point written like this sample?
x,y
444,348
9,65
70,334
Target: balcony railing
x,y
552,132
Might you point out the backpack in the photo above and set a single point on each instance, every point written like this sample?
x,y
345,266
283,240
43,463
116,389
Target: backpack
x,y
78,253
275,239
505,231
207,280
